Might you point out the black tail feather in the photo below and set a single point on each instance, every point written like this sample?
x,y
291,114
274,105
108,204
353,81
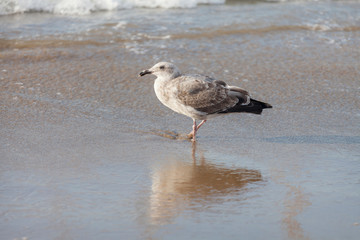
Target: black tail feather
x,y
254,107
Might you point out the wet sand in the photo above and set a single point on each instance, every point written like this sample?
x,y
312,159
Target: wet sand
x,y
88,152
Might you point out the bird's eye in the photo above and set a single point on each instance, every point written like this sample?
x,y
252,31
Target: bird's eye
x,y
162,67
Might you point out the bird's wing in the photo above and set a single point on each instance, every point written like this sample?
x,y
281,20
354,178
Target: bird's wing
x,y
241,94
205,94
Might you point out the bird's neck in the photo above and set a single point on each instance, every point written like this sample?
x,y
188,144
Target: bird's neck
x,y
168,77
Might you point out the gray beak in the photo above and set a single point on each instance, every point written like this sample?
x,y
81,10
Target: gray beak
x,y
144,73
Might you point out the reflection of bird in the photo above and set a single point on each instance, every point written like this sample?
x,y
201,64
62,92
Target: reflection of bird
x,y
199,97
179,185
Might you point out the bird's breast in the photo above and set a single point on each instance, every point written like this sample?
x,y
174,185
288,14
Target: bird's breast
x,y
167,94
161,91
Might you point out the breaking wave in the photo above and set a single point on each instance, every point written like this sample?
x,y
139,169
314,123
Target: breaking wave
x,y
82,7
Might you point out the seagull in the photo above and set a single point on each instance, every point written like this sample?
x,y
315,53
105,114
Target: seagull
x,y
198,96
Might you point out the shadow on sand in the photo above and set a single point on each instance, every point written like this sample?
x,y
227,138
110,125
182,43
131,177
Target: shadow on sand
x,y
179,185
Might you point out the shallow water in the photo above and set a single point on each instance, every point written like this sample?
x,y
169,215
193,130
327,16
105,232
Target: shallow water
x,y
87,151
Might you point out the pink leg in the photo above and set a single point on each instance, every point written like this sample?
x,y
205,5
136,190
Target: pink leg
x,y
193,132
195,128
202,122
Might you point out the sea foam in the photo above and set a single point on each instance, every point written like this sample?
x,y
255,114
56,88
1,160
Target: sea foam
x,y
81,7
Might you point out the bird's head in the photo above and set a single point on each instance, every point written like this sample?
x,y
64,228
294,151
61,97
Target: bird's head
x,y
163,70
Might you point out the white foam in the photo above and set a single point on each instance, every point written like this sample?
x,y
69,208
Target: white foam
x,y
121,24
319,27
81,7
